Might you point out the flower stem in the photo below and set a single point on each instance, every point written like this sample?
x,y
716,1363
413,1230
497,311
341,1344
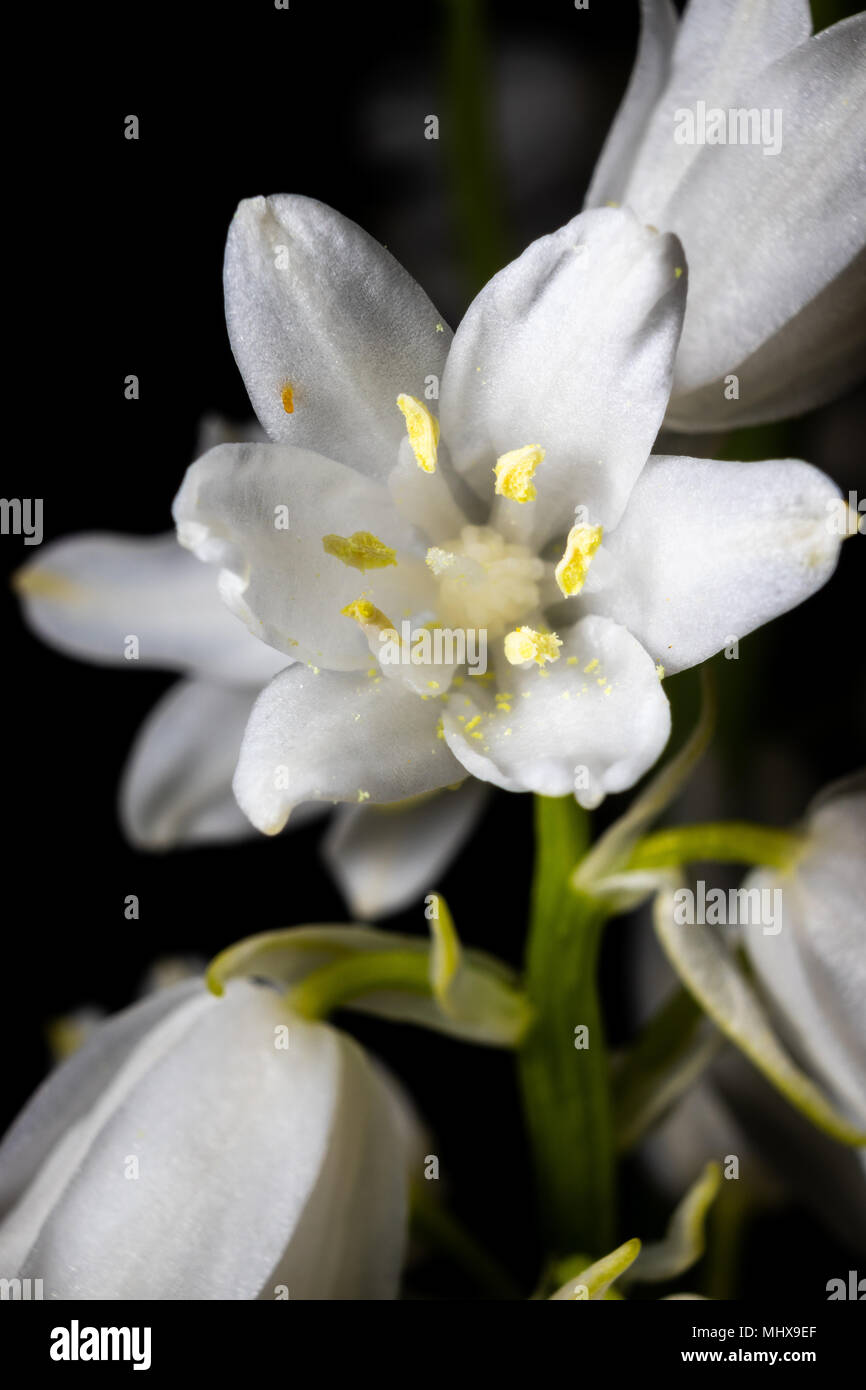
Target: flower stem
x,y
728,842
563,1061
324,990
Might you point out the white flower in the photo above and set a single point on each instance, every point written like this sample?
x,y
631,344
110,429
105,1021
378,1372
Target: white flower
x,y
813,971
88,594
537,519
777,292
183,1154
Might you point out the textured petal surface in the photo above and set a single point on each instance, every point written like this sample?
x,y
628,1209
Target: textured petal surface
x,y
591,723
338,737
708,551
721,45
571,348
314,303
88,594
647,83
793,224
206,1091
384,858
279,577
814,970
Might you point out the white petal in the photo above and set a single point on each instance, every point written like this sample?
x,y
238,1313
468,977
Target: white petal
x,y
720,45
88,594
313,302
772,241
280,579
384,858
708,551
237,1181
43,1146
814,969
338,737
177,784
590,723
571,347
647,82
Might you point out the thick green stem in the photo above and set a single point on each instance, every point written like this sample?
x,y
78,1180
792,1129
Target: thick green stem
x,y
563,1061
729,842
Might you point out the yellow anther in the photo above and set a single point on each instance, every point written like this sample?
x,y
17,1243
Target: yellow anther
x,y
366,614
514,470
423,431
438,559
525,644
583,541
287,396
362,550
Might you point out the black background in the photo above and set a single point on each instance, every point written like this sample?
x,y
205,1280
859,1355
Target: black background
x,y
117,250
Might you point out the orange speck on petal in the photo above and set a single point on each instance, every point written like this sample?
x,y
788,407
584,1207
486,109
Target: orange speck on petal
x,y
287,396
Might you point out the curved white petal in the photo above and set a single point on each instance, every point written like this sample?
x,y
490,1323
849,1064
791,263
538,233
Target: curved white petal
x,y
814,969
571,348
590,723
88,594
386,857
262,513
647,82
177,784
720,46
707,551
772,242
237,1182
314,303
337,737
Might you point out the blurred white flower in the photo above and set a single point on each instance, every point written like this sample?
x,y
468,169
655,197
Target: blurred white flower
x,y
536,521
184,1153
813,972
775,242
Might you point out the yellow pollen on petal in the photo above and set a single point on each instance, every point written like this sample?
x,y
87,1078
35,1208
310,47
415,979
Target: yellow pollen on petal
x,y
583,541
362,550
514,471
287,396
366,614
423,431
525,644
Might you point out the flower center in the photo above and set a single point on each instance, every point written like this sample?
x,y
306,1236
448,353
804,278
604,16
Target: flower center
x,y
485,582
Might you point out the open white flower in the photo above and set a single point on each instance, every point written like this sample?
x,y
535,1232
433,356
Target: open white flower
x,y
88,595
774,225
182,1154
813,970
536,519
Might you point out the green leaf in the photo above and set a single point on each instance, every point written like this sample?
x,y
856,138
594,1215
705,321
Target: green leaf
x,y
565,1087
592,1283
716,979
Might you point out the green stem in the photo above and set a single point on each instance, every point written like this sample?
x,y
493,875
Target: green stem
x,y
728,842
439,1229
468,144
566,1088
324,990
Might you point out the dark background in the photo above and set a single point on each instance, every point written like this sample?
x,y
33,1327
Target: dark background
x,y
123,242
